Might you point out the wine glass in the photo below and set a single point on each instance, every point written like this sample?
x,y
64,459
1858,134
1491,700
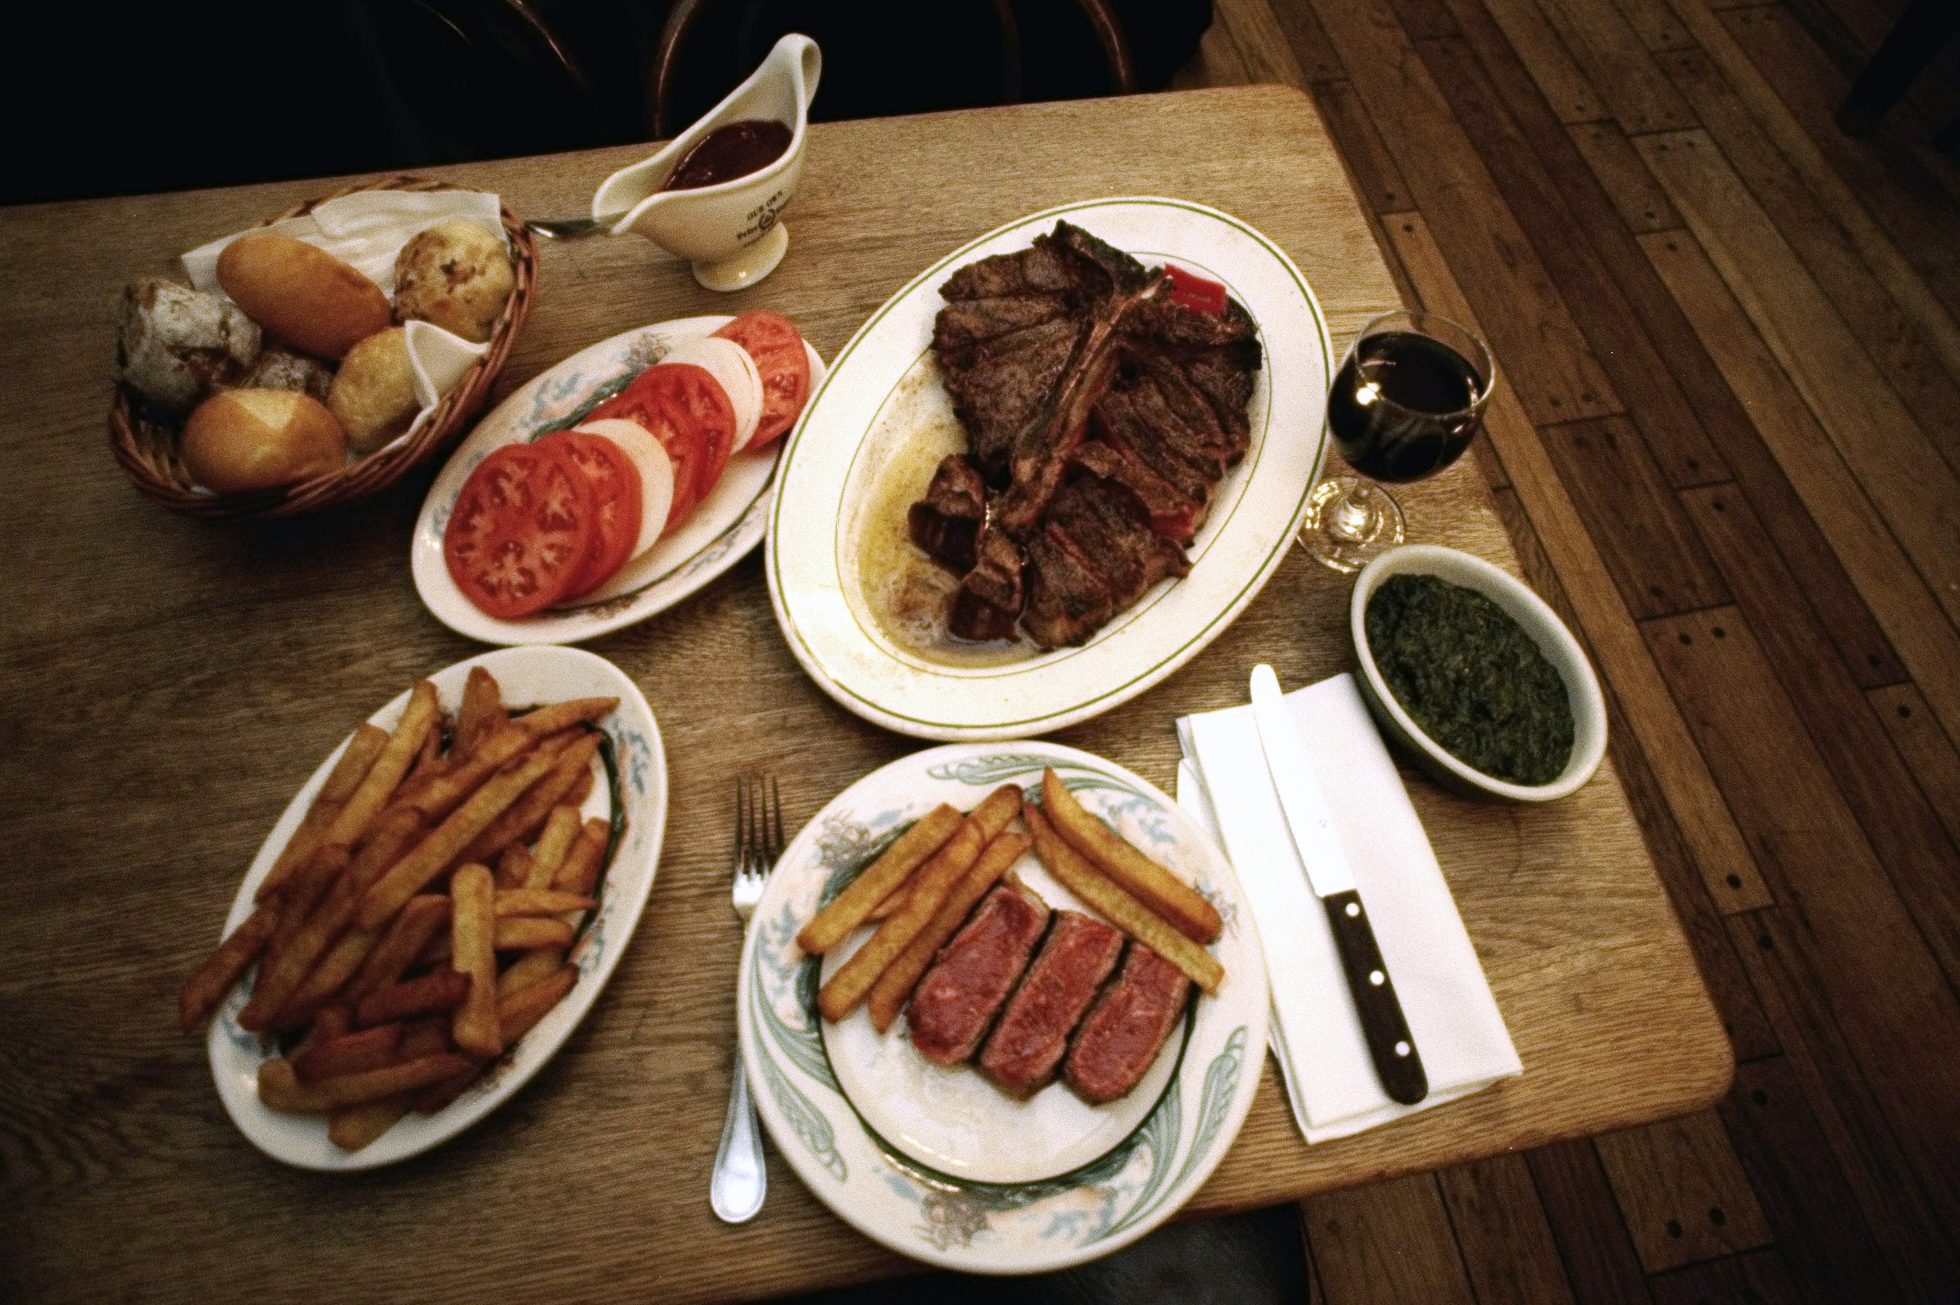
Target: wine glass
x,y
1409,396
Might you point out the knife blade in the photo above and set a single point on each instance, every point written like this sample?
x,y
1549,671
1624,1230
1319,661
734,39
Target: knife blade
x,y
1311,823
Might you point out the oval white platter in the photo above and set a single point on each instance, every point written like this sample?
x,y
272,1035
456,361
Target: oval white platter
x,y
934,1162
884,388
527,676
730,521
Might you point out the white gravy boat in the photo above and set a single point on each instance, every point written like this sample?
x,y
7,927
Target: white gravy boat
x,y
730,231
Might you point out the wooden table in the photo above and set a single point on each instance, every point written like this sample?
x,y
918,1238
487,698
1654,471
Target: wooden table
x,y
169,684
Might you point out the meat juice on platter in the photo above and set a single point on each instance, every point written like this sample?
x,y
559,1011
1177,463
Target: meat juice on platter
x,y
728,152
1403,406
1101,410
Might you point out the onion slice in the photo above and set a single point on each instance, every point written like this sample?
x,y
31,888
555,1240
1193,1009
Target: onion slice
x,y
656,470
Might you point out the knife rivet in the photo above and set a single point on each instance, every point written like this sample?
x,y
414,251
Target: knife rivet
x,y
1353,909
1377,978
1401,1048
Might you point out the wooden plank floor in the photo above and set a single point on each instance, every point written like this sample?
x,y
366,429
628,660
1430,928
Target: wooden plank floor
x,y
1732,457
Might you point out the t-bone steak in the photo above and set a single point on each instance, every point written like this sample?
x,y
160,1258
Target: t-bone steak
x,y
1100,415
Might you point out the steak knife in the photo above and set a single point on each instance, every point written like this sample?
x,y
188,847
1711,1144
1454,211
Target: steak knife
x,y
1311,822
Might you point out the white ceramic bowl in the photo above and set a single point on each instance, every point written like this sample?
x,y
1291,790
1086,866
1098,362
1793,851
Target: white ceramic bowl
x,y
1538,621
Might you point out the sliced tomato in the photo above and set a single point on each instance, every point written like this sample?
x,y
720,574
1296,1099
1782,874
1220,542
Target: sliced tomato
x,y
615,485
519,533
642,404
1201,294
692,394
777,347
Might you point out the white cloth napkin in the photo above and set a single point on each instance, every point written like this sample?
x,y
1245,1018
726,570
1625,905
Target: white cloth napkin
x,y
366,230
1316,1036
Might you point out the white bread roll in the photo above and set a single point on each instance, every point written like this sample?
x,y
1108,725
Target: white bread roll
x,y
242,440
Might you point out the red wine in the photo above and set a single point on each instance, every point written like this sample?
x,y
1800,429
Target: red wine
x,y
1403,406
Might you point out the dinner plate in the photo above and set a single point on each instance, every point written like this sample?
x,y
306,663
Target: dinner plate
x,y
632,771
935,1162
728,523
884,413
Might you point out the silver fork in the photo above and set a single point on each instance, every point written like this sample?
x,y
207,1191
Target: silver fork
x,y
569,228
740,1180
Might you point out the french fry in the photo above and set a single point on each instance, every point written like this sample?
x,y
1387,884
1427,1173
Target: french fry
x,y
304,893
540,901
327,979
472,931
1086,880
435,993
514,867
378,785
1145,880
280,1088
564,715
848,986
434,853
888,994
207,987
561,828
340,784
527,970
481,711
528,813
518,1013
425,1037
579,872
907,852
333,1020
523,933
280,979
407,934
352,1127
394,831
444,792
429,763
350,1053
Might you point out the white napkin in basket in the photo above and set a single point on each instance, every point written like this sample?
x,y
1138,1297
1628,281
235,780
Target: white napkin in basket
x,y
1315,1035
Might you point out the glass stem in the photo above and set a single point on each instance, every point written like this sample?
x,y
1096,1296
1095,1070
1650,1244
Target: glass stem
x,y
1354,516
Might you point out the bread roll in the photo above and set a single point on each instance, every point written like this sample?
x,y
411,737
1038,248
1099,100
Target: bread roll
x,y
175,345
301,293
456,275
241,440
373,393
285,369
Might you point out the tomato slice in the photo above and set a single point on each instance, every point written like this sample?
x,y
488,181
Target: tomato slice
x,y
692,395
641,403
1201,294
615,485
520,531
777,347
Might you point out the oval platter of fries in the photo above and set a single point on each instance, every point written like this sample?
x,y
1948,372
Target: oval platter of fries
x,y
954,1122
436,909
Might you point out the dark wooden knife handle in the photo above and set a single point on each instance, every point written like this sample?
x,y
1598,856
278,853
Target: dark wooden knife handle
x,y
1390,1044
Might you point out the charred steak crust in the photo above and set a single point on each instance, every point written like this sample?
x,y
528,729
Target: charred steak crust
x,y
1121,1037
1064,361
971,978
1026,1047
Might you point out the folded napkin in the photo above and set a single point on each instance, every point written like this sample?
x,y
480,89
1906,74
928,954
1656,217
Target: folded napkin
x,y
1316,1036
366,230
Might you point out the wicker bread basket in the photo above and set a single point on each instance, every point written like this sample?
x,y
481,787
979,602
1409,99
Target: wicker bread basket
x,y
147,449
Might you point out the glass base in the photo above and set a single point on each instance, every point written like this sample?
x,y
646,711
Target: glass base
x,y
1350,521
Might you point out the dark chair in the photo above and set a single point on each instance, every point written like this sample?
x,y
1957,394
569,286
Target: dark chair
x,y
889,56
1906,51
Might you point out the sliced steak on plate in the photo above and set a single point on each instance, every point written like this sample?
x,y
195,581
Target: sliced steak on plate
x,y
1122,1036
974,973
1026,1047
945,524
